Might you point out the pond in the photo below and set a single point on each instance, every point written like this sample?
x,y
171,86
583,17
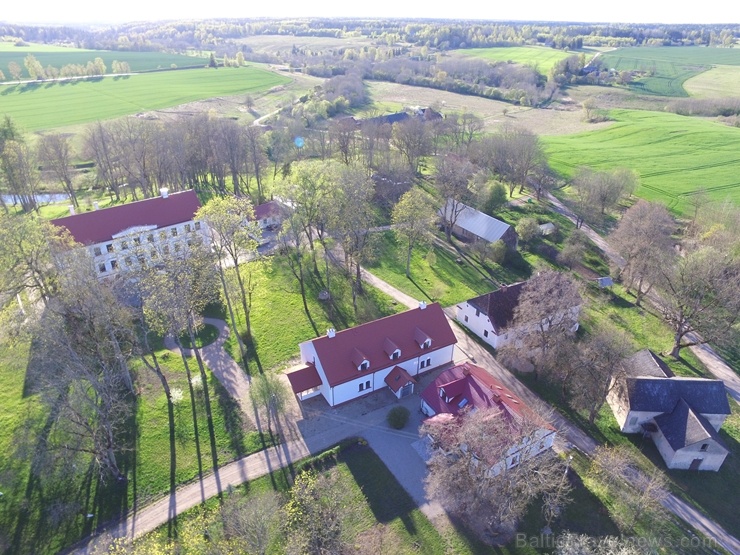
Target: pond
x,y
41,198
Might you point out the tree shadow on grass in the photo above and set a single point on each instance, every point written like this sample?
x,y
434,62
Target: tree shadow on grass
x,y
385,496
233,421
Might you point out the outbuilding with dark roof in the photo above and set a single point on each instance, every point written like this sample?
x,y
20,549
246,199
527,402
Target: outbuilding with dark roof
x,y
682,415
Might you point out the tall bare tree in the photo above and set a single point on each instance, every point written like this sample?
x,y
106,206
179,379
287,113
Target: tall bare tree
x,y
472,478
643,237
545,316
56,156
452,179
701,300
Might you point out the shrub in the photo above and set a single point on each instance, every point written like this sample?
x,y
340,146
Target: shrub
x,y
398,417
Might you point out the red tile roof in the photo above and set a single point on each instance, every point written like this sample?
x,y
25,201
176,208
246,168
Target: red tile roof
x,y
267,209
304,379
397,378
337,353
100,225
481,389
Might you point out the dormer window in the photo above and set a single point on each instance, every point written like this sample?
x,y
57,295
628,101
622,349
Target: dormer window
x,y
391,349
360,360
422,339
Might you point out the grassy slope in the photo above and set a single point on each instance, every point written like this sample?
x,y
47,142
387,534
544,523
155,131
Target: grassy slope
x,y
47,106
539,57
674,155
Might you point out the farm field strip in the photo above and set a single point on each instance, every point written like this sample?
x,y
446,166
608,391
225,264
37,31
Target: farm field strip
x,y
50,105
60,56
715,82
675,156
540,57
670,67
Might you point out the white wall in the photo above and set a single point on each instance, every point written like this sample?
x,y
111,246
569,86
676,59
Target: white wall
x,y
160,237
712,458
479,324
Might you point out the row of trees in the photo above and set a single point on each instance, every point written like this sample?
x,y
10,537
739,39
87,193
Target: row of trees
x,y
37,71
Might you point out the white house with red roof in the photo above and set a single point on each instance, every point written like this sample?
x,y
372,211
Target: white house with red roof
x,y
388,352
116,237
465,388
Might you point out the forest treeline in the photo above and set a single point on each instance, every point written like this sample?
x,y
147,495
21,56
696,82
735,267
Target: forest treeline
x,y
442,35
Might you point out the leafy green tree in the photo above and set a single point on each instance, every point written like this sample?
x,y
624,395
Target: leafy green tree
x,y
235,235
212,61
414,218
496,200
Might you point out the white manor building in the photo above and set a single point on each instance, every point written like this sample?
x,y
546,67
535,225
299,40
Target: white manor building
x,y
390,352
117,237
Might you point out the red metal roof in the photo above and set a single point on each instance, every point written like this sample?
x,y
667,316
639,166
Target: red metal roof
x,y
304,379
101,225
397,378
337,353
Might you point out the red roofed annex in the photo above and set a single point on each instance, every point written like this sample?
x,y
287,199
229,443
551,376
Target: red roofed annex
x,y
387,352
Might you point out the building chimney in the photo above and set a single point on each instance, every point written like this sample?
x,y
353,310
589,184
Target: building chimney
x,y
71,209
504,287
164,191
331,332
422,305
96,205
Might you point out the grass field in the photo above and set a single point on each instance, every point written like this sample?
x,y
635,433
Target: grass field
x,y
59,56
719,82
541,58
674,155
391,97
50,105
669,67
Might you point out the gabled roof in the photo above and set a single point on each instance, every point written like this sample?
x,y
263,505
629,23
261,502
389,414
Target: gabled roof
x,y
397,378
337,353
481,389
650,394
647,363
267,209
479,224
499,305
101,225
683,426
304,379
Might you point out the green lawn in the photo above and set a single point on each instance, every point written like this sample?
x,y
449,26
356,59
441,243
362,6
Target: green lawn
x,y
280,323
44,513
438,277
59,56
540,58
37,106
674,155
667,68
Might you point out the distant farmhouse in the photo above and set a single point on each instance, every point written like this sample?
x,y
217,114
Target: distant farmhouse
x,y
467,387
472,225
490,316
115,236
681,415
388,352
